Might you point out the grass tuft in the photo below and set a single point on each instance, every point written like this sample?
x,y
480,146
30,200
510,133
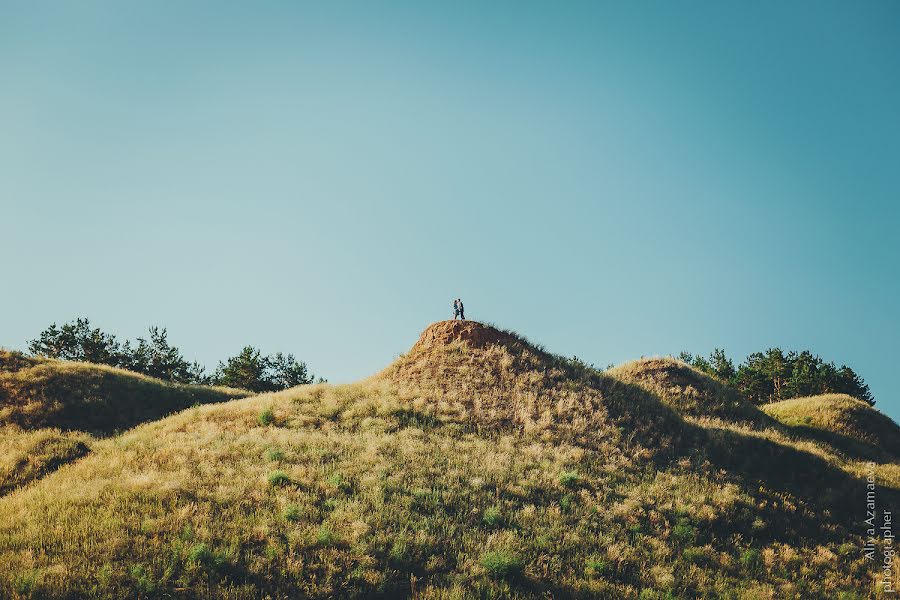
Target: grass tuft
x,y
501,564
279,478
569,479
493,517
293,513
266,417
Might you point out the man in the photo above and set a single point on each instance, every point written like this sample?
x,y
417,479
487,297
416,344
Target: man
x,y
462,310
455,309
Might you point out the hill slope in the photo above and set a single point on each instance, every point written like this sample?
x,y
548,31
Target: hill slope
x,y
476,465
37,393
841,420
50,410
690,391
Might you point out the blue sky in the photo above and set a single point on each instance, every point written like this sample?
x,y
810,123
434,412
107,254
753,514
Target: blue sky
x,y
611,180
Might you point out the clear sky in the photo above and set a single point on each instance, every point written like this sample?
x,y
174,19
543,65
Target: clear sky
x,y
611,180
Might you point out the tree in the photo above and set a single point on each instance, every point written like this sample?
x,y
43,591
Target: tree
x,y
806,376
248,370
721,366
77,341
288,372
252,371
156,358
777,375
848,382
698,362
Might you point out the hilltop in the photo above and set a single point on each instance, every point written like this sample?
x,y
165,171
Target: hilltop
x,y
690,391
39,392
475,465
841,420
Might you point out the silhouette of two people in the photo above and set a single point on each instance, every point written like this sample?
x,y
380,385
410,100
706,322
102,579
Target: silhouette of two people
x,y
458,310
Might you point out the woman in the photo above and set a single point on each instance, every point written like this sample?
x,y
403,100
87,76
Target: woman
x,y
455,309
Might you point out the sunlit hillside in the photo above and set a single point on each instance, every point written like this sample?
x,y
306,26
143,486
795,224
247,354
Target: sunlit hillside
x,y
476,465
50,410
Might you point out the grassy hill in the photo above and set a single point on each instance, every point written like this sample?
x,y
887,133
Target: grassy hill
x,y
842,421
26,456
476,465
689,390
37,393
51,410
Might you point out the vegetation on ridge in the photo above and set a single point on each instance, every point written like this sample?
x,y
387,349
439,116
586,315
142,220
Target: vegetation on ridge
x,y
776,375
475,466
88,397
156,357
842,420
689,391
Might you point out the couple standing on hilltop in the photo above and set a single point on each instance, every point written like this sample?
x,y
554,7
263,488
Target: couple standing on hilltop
x,y
458,310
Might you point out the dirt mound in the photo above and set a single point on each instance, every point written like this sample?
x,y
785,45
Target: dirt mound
x,y
476,335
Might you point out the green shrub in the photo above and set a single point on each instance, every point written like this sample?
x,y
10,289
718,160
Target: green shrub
x,y
292,512
341,483
279,478
569,479
399,552
684,534
200,554
501,564
751,560
493,516
325,536
594,566
143,581
266,417
694,556
274,454
24,584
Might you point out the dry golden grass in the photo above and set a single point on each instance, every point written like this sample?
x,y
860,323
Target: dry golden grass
x,y
26,456
475,466
840,419
689,390
39,393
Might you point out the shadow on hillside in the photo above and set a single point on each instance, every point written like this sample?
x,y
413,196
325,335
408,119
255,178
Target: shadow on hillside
x,y
760,463
768,471
845,444
99,400
643,418
40,460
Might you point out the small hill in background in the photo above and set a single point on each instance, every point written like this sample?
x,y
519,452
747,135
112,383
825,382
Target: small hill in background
x,y
689,390
475,465
37,393
841,420
50,410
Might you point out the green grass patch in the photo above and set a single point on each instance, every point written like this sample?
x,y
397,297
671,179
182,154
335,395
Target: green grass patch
x,y
293,513
492,517
569,479
279,478
502,564
266,417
